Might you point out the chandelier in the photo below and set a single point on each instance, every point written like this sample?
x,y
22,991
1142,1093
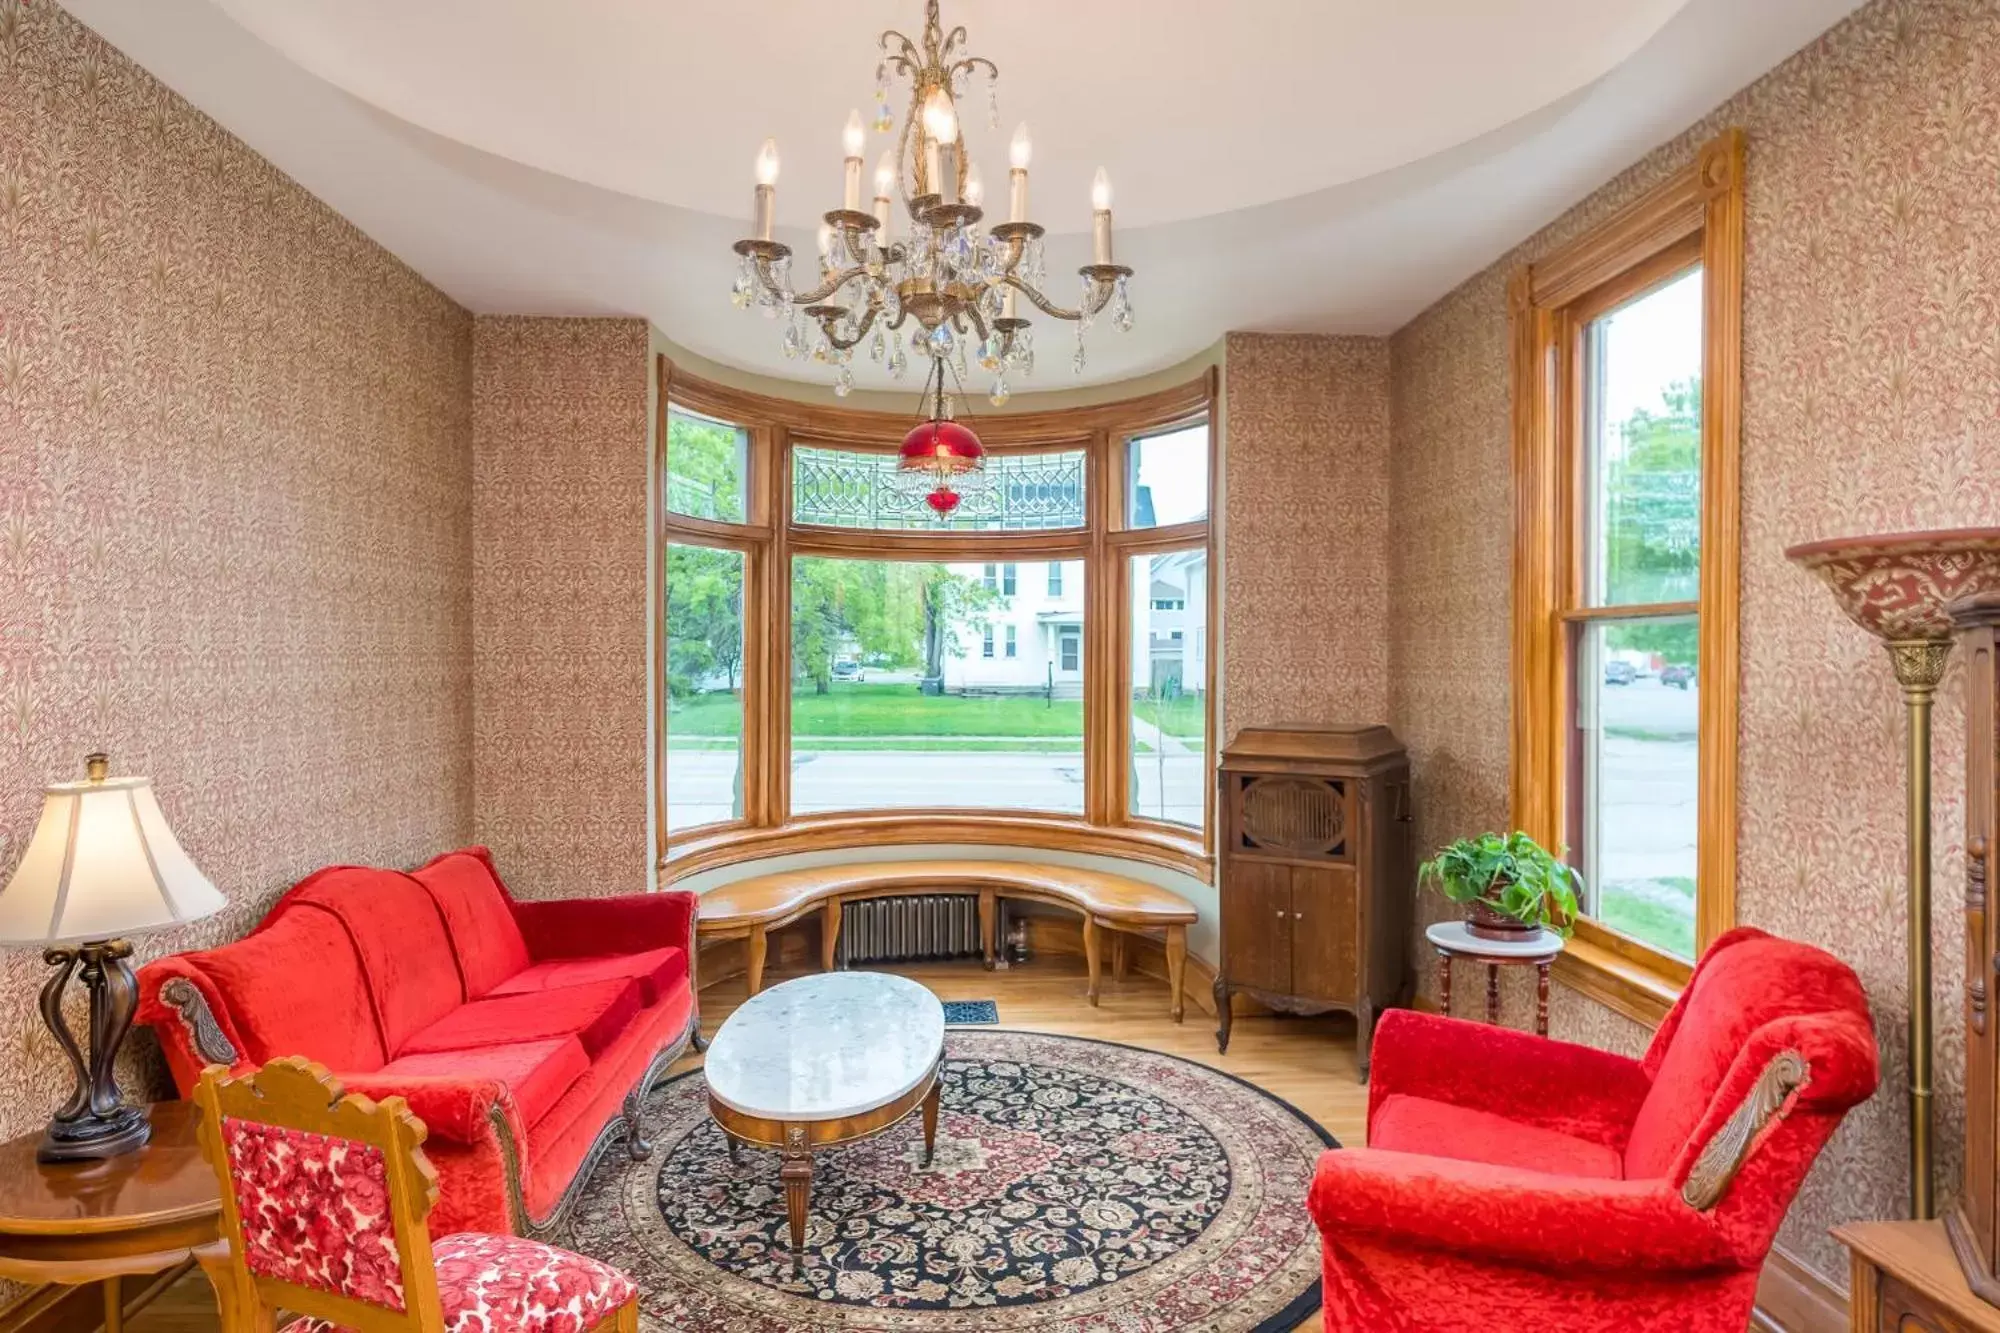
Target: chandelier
x,y
941,458
958,284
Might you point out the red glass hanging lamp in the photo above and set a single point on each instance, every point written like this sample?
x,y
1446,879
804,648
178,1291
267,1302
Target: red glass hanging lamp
x,y
941,453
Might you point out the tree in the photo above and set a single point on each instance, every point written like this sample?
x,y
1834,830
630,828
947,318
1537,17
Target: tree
x,y
704,617
950,601
705,467
897,613
1652,520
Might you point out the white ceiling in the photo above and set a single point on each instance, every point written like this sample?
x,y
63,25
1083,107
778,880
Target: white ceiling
x,y
1292,165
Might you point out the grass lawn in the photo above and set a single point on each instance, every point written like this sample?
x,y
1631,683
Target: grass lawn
x,y
850,711
1183,718
849,714
1652,913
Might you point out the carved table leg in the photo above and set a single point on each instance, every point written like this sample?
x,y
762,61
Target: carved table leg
x,y
1541,999
1177,968
735,1149
1492,993
754,968
1223,1016
1118,956
797,1175
989,925
1444,982
931,1101
1090,958
829,933
635,1124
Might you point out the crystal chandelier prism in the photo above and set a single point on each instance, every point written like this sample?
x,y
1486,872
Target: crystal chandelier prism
x,y
955,285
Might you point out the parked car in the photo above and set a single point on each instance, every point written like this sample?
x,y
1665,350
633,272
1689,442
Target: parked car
x,y
1678,676
1619,673
846,669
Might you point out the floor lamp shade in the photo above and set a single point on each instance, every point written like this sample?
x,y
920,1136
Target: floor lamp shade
x,y
101,865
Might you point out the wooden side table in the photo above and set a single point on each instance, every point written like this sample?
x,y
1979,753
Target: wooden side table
x,y
1452,940
146,1211
1906,1280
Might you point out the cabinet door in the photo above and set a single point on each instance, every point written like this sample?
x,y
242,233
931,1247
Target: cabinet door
x,y
1257,925
1326,931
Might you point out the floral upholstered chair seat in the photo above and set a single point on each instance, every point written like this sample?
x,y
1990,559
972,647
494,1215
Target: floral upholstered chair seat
x,y
324,1200
501,1284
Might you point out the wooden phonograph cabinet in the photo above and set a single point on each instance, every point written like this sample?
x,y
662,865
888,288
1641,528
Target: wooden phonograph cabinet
x,y
1314,827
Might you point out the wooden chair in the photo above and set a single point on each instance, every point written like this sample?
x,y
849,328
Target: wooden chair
x,y
324,1200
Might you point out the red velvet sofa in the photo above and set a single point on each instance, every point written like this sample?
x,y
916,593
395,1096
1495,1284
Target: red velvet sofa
x,y
523,1034
1512,1182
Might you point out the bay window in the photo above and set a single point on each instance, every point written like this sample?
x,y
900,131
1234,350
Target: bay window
x,y
835,661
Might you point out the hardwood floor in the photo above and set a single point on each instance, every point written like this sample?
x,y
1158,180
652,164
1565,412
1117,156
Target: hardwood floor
x,y
1309,1062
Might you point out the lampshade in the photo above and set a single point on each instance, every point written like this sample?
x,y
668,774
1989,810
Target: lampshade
x,y
102,864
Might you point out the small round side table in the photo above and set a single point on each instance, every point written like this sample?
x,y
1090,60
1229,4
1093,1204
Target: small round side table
x,y
1452,940
150,1210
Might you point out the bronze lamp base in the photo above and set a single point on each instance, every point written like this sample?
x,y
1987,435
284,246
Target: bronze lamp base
x,y
96,1121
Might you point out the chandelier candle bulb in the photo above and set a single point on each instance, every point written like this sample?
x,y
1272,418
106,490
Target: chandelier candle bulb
x,y
1019,151
975,189
764,210
948,178
933,169
1100,218
852,139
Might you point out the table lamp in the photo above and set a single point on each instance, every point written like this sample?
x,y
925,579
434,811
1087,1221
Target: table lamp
x,y
102,865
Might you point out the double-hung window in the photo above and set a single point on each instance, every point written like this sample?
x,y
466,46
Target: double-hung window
x,y
1626,389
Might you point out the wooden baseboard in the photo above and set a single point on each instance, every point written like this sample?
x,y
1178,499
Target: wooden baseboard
x,y
1792,1297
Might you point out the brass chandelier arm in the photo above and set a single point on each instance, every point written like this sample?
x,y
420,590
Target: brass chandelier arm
x,y
1102,284
827,322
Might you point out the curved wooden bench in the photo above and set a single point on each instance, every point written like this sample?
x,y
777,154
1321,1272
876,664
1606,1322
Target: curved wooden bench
x,y
750,907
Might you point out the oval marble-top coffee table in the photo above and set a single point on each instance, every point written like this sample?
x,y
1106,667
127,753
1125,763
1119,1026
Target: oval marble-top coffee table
x,y
822,1061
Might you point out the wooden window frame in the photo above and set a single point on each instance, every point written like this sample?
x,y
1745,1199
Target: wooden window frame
x,y
1695,216
1102,546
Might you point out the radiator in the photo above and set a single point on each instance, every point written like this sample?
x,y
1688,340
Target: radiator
x,y
905,929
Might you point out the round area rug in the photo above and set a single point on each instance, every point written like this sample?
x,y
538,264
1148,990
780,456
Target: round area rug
x,y
1077,1185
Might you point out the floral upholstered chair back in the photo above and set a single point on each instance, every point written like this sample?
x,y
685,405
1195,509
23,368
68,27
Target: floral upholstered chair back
x,y
324,1199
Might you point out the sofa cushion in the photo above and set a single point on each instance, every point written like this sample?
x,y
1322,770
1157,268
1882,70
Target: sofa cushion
x,y
593,1014
399,933
1438,1129
297,988
658,972
478,914
537,1073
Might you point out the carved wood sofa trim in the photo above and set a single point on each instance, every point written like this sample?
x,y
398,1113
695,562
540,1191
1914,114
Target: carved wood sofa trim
x,y
1709,1179
214,1046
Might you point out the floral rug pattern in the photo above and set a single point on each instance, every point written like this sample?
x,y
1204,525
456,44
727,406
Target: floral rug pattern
x,y
1076,1185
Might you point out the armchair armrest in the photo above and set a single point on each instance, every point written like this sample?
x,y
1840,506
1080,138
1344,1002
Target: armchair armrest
x,y
454,1110
585,927
1508,1215
1575,1090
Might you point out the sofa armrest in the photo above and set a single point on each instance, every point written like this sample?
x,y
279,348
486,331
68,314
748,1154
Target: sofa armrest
x,y
1577,1090
186,1013
587,927
454,1110
1512,1216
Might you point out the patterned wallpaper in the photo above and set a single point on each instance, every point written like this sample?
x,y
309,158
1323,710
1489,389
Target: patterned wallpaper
x,y
1871,402
559,516
1305,591
235,526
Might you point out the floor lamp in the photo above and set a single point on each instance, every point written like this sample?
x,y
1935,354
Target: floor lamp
x,y
1896,586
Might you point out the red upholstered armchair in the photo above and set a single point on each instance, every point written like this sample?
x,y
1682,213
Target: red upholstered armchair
x,y
1513,1183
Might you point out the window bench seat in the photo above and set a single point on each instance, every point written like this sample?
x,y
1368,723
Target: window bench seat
x,y
750,907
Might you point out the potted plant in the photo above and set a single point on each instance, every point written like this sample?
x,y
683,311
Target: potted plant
x,y
1509,885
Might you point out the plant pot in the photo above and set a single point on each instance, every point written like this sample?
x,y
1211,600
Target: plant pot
x,y
1486,922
